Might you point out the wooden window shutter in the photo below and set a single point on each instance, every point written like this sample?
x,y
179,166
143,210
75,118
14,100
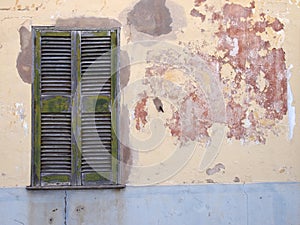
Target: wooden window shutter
x,y
98,76
74,113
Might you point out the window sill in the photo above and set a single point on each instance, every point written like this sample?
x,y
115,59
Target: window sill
x,y
117,186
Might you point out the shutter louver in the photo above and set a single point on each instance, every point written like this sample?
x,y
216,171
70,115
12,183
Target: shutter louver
x,y
96,142
56,143
96,90
56,65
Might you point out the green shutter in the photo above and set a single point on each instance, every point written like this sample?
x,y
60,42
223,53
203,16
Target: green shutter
x,y
98,145
52,108
74,113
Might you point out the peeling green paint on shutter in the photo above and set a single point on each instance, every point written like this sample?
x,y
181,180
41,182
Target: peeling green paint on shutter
x,y
74,113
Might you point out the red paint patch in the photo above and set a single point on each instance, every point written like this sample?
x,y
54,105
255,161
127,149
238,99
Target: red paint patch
x,y
235,114
192,121
140,113
196,13
277,25
216,16
249,64
236,12
174,124
156,70
198,2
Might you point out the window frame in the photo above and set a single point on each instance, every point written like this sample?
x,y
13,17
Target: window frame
x,y
36,182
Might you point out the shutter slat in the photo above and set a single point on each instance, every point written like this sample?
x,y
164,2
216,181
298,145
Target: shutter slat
x,y
96,63
96,142
55,59
55,147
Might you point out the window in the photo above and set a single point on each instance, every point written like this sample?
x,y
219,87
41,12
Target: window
x,y
74,112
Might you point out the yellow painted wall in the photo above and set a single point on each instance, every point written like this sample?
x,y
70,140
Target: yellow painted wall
x,y
187,63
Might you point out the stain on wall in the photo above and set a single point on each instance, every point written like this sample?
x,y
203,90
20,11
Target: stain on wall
x,y
24,60
124,73
150,17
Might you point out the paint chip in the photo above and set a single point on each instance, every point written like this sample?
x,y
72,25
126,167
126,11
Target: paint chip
x,y
217,168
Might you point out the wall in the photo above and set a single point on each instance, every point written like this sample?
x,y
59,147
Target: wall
x,y
249,204
225,74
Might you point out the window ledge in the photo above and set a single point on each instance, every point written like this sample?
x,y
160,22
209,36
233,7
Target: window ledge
x,y
117,186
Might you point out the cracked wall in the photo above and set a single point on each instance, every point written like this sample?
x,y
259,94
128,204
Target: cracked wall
x,y
208,88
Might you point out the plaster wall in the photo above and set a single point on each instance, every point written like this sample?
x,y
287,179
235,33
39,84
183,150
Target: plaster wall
x,y
224,72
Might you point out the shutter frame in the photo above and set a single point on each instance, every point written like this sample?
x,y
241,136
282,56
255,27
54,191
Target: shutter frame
x,y
75,104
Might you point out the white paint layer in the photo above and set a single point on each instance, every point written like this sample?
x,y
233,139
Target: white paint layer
x,y
291,109
235,49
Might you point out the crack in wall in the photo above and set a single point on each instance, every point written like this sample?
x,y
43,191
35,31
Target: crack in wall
x,y
247,204
17,221
65,208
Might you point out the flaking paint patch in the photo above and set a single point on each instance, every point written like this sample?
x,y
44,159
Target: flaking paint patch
x,y
20,112
291,108
216,169
184,79
196,13
256,99
140,113
249,64
255,92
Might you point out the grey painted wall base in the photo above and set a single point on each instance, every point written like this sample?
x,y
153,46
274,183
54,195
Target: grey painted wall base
x,y
249,204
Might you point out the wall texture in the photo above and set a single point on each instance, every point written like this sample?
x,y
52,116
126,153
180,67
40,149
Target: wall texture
x,y
208,87
251,204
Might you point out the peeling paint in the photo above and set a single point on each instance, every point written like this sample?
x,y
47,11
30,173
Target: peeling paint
x,y
291,108
20,111
216,169
189,83
240,41
192,120
196,13
198,2
140,113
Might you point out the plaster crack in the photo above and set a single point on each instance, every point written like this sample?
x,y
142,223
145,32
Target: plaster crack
x,y
65,208
247,204
19,222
